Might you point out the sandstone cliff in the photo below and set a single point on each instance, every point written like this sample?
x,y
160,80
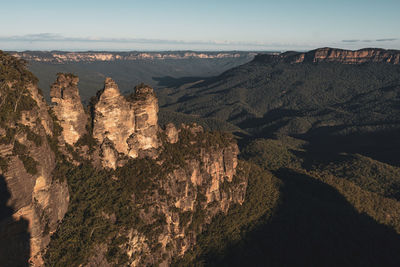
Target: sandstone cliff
x,y
34,201
128,126
336,55
149,211
68,107
135,194
177,180
68,57
186,199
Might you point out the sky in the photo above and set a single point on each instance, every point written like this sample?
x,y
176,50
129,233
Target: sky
x,y
122,25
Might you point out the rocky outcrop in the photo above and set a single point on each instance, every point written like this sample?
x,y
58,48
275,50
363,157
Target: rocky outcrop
x,y
151,209
186,200
171,133
36,201
68,107
327,54
196,176
113,117
129,124
145,139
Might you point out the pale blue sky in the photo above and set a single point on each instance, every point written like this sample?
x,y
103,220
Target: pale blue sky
x,y
198,25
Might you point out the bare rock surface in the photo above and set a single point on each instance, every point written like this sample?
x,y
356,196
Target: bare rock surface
x,y
130,125
68,107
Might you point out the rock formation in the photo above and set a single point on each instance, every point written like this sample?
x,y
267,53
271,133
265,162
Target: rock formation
x,y
145,106
179,198
194,194
196,175
68,107
335,55
180,178
171,133
130,125
33,201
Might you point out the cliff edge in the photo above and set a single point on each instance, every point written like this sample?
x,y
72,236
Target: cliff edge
x,y
327,54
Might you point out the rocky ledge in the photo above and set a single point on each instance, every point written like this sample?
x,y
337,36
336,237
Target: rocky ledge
x,y
327,54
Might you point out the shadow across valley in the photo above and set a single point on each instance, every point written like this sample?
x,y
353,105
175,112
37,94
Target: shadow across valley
x,y
313,226
324,146
14,234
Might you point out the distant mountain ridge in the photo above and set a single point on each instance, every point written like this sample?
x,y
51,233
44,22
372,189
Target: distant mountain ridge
x,y
327,54
92,56
313,95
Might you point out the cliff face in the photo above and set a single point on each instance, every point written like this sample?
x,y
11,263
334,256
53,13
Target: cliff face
x,y
144,204
150,211
177,180
35,202
128,127
67,57
186,199
336,55
114,118
68,107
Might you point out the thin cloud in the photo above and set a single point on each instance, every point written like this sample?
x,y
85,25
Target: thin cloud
x,y
370,40
351,41
386,40
51,37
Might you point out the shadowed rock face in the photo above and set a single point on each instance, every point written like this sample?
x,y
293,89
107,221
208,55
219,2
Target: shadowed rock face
x,y
68,107
336,55
130,126
33,202
36,199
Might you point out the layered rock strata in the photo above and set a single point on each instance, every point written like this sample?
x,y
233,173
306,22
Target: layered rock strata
x,y
194,194
36,203
195,178
366,55
68,108
130,125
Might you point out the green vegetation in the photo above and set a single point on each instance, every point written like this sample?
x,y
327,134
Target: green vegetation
x,y
320,147
22,152
166,116
189,145
14,96
3,164
102,210
87,139
270,154
305,212
229,229
106,205
157,73
30,135
369,174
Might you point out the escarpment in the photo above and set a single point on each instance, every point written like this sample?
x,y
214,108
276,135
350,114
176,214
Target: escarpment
x,y
184,198
366,55
169,183
32,203
130,192
150,210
